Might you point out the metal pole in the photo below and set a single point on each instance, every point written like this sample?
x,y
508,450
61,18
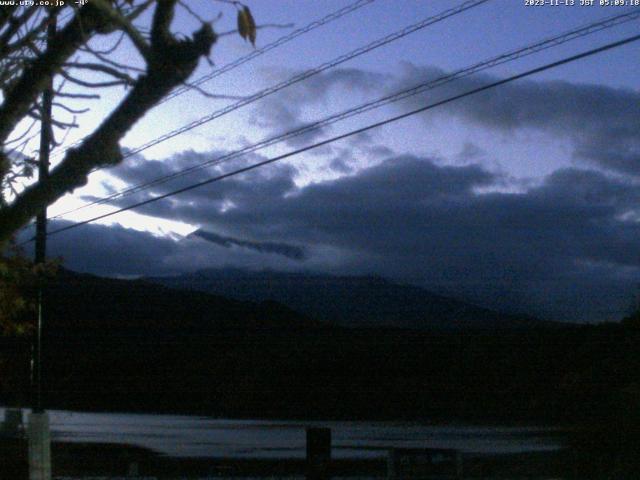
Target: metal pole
x,y
41,219
318,454
38,431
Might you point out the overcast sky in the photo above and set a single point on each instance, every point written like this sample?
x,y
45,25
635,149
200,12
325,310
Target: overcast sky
x,y
523,198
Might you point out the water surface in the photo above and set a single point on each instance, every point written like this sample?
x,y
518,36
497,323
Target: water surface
x,y
193,436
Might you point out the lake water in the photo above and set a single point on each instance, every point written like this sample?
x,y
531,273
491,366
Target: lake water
x,y
192,436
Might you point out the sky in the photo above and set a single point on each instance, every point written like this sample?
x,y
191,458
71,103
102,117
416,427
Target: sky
x,y
523,198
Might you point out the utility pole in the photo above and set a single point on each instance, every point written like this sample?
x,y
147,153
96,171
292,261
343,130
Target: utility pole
x,y
38,429
41,219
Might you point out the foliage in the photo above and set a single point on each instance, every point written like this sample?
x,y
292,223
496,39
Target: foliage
x,y
19,279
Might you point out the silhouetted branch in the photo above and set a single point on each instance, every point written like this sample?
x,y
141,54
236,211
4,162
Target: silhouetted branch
x,y
170,62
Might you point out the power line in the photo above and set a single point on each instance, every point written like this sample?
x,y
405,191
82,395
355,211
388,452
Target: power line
x,y
547,43
262,50
255,53
469,4
351,133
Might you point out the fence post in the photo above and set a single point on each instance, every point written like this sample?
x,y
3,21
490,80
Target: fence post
x,y
39,446
318,453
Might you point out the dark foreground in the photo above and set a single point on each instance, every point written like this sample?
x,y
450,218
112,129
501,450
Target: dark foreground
x,y
77,460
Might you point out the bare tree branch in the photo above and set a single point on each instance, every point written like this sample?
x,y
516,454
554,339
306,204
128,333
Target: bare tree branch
x,y
139,10
86,96
125,24
106,51
214,96
32,34
57,123
6,14
191,12
23,134
103,58
34,78
170,63
15,23
99,67
85,83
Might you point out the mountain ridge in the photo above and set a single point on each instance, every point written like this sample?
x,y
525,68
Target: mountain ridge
x,y
358,301
86,302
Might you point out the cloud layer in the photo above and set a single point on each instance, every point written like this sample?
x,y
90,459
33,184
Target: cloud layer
x,y
603,123
542,251
564,246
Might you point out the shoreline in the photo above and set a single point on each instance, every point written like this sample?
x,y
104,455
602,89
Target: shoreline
x,y
113,460
473,421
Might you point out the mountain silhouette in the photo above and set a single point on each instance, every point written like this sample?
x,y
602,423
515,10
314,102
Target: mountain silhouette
x,y
350,301
83,302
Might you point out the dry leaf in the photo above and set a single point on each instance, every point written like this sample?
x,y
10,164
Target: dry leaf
x,y
247,25
243,24
252,26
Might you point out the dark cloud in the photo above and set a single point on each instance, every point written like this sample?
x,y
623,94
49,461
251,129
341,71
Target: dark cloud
x,y
124,252
470,152
251,187
286,110
110,250
290,251
339,165
602,122
566,248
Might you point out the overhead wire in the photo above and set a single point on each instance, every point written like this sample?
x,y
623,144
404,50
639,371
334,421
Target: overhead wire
x,y
467,5
513,55
464,6
358,131
270,46
254,54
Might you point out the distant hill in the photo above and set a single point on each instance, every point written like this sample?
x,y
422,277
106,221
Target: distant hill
x,y
82,302
350,301
131,345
